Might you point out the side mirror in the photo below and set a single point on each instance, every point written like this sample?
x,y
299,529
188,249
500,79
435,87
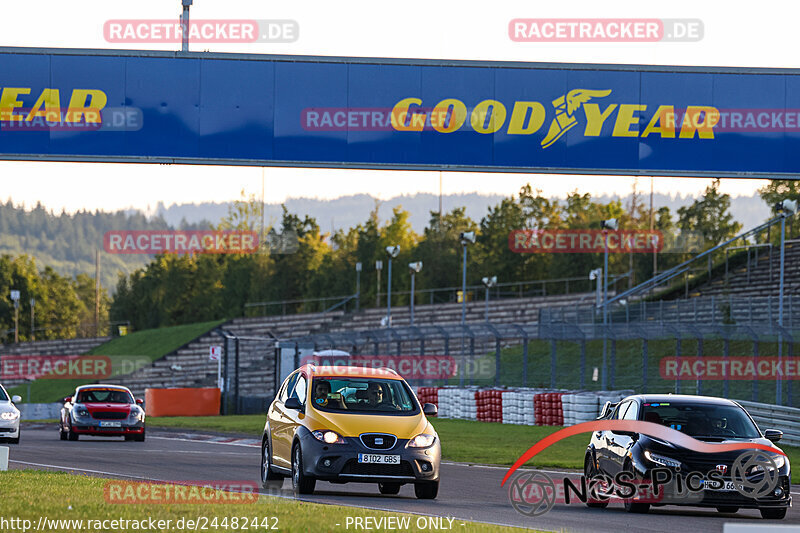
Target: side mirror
x,y
139,401
773,435
16,399
68,399
608,407
293,403
430,409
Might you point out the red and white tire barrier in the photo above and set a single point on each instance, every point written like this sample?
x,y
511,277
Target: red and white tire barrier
x,y
542,407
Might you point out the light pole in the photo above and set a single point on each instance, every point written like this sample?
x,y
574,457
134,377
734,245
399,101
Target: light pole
x,y
33,335
488,283
392,252
185,29
606,225
466,238
358,285
414,268
786,208
378,268
15,299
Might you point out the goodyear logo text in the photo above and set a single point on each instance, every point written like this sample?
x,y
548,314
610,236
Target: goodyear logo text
x,y
576,106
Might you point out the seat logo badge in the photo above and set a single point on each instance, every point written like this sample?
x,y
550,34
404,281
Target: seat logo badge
x,y
378,440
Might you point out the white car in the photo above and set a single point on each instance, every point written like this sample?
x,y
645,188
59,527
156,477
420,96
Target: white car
x,y
9,417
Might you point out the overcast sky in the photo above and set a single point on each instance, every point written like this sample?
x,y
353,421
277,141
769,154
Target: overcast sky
x,y
735,34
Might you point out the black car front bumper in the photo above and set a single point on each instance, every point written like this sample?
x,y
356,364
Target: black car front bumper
x,y
338,463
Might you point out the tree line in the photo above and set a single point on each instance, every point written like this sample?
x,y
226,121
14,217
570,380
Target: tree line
x,y
179,289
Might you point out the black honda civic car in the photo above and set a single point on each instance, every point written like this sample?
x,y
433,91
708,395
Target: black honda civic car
x,y
727,481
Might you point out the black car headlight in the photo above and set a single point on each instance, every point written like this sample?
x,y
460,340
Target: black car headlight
x,y
80,412
780,460
661,459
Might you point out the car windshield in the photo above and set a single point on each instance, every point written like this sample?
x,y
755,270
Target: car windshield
x,y
701,420
104,396
3,395
363,395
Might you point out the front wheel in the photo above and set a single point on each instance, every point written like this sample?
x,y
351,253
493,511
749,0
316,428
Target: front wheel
x,y
590,472
16,439
301,483
632,506
389,488
269,479
61,433
426,491
71,435
139,437
773,514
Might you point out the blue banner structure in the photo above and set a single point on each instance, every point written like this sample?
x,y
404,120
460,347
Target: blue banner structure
x,y
138,106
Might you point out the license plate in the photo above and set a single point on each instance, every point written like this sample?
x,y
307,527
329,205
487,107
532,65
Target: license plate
x,y
728,486
110,424
379,459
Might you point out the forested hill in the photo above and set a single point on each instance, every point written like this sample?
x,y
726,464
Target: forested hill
x,y
67,242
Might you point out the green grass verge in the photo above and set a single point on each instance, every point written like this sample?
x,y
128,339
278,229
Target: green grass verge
x,y
149,344
32,494
463,441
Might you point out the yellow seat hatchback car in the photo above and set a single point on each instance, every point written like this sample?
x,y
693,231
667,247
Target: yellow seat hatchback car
x,y
350,424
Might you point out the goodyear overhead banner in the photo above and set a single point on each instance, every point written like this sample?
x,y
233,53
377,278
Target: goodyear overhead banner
x,y
102,105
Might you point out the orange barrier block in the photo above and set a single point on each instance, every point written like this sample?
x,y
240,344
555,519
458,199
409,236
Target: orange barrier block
x,y
182,402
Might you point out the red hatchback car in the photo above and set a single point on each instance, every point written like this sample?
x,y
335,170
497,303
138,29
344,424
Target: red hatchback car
x,y
103,411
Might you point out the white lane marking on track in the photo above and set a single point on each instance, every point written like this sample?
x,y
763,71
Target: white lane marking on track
x,y
207,442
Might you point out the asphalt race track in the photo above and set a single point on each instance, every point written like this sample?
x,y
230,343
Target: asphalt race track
x,y
466,492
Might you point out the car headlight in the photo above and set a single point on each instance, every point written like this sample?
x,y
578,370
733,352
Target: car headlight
x,y
9,415
137,413
423,440
81,412
328,437
780,460
661,460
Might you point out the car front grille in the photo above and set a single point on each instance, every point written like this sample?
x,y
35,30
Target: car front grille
x,y
110,415
378,441
369,469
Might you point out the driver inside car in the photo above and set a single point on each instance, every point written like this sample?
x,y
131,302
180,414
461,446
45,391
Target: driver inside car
x,y
324,398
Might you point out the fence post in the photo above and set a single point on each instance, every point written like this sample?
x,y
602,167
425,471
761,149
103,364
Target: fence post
x,y
613,362
471,356
525,362
678,357
755,381
699,386
583,363
645,356
552,363
726,350
497,362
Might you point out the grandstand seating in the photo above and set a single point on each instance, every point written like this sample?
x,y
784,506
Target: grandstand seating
x,y
257,356
762,278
